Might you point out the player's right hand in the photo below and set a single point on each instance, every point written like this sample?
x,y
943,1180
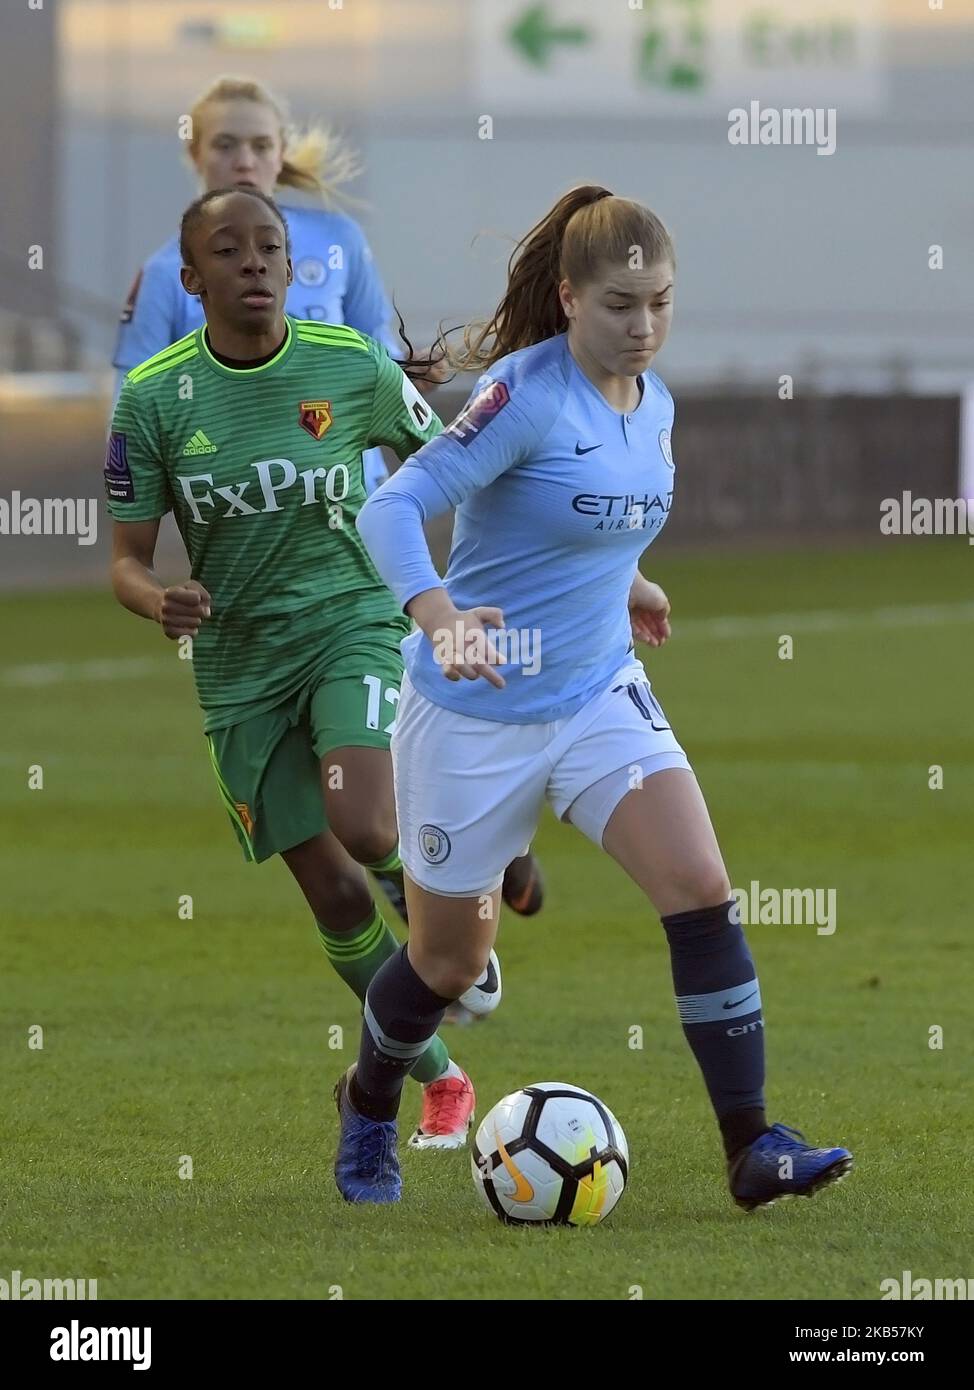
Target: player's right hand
x,y
465,651
183,608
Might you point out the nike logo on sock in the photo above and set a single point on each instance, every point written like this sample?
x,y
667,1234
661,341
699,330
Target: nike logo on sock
x,y
733,1003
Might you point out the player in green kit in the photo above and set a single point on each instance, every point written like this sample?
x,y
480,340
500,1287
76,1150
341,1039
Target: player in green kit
x,y
251,430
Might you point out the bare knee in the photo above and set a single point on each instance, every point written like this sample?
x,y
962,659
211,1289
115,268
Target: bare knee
x,y
692,885
367,841
450,976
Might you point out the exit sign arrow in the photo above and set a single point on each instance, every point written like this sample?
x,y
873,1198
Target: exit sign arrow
x,y
535,35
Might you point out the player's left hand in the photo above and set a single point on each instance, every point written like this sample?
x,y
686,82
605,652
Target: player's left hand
x,y
649,612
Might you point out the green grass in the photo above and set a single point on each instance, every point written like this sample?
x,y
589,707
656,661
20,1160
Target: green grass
x,y
210,1037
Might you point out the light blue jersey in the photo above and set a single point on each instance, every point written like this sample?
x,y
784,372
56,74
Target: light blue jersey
x,y
335,281
557,496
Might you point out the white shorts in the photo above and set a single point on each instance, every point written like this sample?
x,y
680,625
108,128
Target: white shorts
x,y
469,792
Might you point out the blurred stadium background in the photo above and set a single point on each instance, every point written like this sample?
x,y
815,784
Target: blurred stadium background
x,y
790,263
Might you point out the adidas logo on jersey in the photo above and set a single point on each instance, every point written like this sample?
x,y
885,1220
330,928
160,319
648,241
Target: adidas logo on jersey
x,y
199,444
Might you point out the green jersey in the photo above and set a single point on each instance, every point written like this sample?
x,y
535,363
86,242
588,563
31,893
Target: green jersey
x,y
262,469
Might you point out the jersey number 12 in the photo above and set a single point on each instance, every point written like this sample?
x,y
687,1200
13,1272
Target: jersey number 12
x,y
374,686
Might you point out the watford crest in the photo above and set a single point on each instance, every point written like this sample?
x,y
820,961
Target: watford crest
x,y
315,417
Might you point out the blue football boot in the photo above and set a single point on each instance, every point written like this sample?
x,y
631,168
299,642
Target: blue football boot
x,y
780,1164
366,1165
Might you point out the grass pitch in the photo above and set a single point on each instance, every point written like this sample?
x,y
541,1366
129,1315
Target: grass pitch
x,y
211,1037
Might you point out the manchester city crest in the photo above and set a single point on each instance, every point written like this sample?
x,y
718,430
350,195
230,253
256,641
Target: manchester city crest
x,y
434,844
310,270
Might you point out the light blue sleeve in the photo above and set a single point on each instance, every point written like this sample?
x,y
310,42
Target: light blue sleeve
x,y
119,383
374,468
366,305
150,321
391,525
497,429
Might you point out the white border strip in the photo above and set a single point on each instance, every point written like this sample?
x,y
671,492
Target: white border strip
x,y
965,481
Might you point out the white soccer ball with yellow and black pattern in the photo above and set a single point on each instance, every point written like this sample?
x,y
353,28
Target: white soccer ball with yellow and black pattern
x,y
550,1154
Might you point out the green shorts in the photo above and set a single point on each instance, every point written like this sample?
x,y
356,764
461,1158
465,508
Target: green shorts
x,y
268,768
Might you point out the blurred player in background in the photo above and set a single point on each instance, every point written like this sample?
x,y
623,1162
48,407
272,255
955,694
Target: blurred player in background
x,y
561,471
296,640
242,138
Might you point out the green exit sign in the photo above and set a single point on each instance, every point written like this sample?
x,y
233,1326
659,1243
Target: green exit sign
x,y
692,56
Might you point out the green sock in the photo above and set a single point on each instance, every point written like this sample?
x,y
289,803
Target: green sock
x,y
433,1062
390,867
355,956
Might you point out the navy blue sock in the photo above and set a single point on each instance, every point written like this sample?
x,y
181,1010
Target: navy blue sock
x,y
719,1000
401,1015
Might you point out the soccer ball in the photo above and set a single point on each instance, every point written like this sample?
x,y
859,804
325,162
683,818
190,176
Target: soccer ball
x,y
483,997
550,1154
